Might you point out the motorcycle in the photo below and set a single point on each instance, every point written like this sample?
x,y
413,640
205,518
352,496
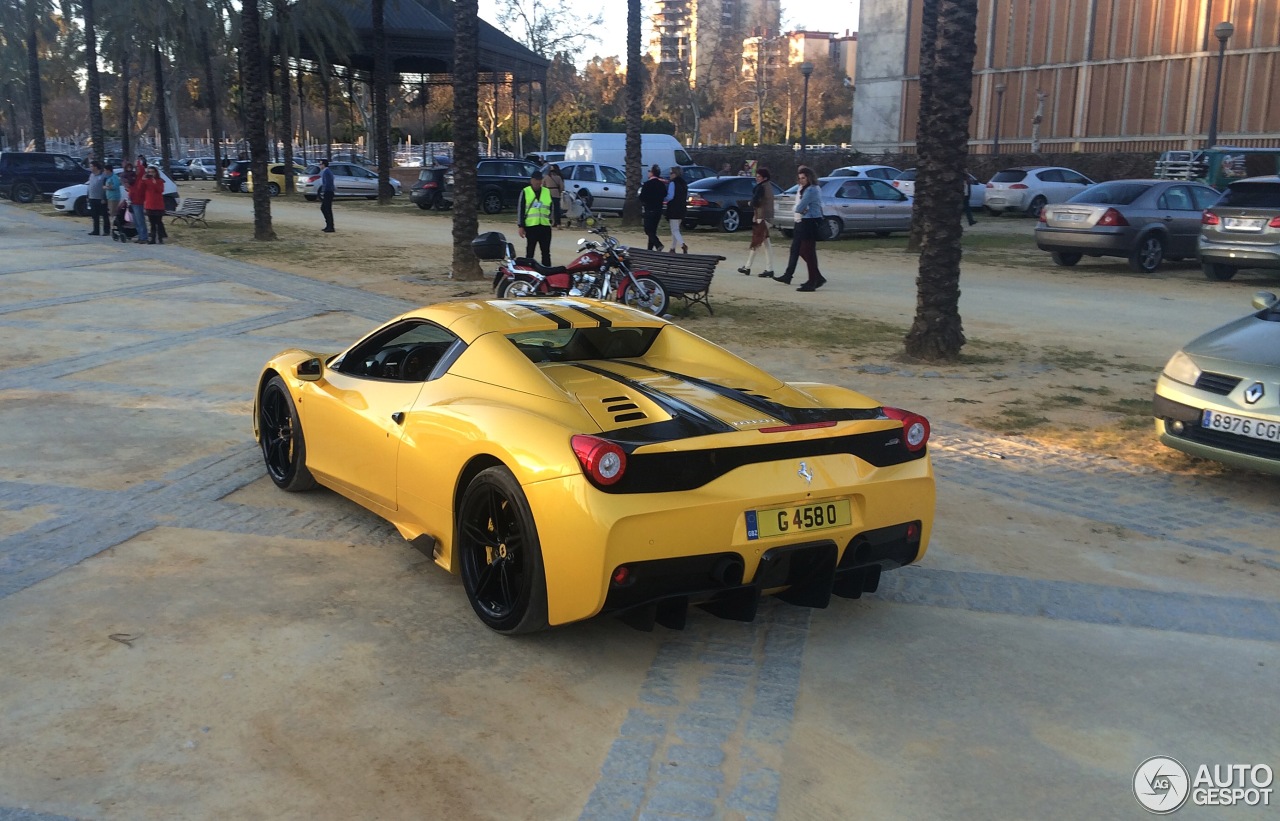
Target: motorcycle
x,y
601,270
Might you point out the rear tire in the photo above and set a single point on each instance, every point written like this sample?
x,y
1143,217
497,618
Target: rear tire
x,y
1036,206
491,203
1065,258
516,289
1147,257
832,228
23,192
1217,271
731,221
273,188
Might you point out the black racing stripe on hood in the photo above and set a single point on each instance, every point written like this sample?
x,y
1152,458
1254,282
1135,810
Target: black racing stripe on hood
x,y
541,310
694,421
789,415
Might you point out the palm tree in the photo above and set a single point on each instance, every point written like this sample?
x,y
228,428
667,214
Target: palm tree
x,y
36,10
466,132
946,85
92,84
635,91
204,28
381,116
256,114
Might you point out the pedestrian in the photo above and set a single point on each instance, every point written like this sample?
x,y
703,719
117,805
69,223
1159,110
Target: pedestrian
x,y
808,222
677,204
112,187
140,167
726,170
534,217
555,184
98,200
652,193
968,192
153,205
135,192
326,191
761,220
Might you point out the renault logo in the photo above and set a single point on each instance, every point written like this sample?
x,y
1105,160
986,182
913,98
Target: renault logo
x,y
1254,393
805,473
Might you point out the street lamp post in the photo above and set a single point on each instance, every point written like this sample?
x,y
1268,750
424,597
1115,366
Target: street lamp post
x,y
995,143
806,68
1223,32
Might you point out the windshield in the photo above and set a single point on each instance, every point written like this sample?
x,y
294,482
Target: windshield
x,y
1251,195
579,344
1111,193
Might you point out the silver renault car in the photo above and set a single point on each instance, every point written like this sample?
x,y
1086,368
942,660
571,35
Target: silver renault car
x,y
1219,397
1242,230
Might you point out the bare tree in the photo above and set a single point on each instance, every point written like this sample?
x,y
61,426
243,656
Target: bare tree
x,y
549,28
946,87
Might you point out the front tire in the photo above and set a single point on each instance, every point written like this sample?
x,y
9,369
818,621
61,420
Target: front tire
x,y
1218,272
731,221
1147,257
82,207
280,434
273,189
1036,206
500,555
1065,258
492,203
649,296
832,228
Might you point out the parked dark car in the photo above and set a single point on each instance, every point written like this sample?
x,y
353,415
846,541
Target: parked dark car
x,y
693,173
1145,221
498,183
177,169
724,202
28,175
234,176
428,191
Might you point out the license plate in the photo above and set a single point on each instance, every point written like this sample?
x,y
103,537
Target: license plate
x,y
1071,217
1240,224
786,521
1241,425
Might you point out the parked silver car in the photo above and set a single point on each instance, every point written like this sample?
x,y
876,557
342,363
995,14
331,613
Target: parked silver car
x,y
349,180
601,187
879,172
1028,189
851,205
1242,230
1146,221
202,168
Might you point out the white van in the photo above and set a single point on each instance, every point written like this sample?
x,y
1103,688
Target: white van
x,y
611,149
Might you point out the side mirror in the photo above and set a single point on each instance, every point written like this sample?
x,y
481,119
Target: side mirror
x,y
1263,300
311,370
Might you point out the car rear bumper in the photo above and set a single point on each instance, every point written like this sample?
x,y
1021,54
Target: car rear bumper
x,y
1105,241
694,546
1240,254
693,217
1005,201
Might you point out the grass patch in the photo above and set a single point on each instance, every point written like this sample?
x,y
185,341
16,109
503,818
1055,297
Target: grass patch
x,y
778,323
1129,407
1013,420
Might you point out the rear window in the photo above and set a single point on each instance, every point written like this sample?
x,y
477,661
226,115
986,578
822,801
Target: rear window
x,y
1252,195
580,344
1111,193
1012,175
908,176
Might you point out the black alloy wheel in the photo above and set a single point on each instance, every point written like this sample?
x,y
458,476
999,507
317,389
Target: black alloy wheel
x,y
280,435
500,556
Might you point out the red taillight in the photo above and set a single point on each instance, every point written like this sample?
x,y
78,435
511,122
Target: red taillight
x,y
1042,217
895,184
1112,217
1209,218
1018,186
1275,222
915,428
431,185
991,185
698,201
621,576
603,461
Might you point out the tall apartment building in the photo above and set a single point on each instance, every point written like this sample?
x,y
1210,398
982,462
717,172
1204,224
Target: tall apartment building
x,y
1100,75
688,33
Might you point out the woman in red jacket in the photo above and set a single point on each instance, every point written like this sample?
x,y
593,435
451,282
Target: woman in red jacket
x,y
152,189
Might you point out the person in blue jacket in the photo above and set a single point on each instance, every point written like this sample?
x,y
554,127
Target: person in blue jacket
x,y
804,236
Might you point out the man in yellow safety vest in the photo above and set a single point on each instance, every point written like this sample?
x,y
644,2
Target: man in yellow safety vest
x,y
534,217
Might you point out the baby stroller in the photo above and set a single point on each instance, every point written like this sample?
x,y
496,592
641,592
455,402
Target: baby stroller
x,y
122,229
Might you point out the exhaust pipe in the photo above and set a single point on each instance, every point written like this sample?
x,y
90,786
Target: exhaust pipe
x,y
728,571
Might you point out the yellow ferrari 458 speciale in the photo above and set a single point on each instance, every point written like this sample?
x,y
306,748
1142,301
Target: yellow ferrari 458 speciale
x,y
569,457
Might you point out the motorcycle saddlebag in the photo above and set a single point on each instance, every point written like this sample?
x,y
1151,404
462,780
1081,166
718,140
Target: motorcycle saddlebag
x,y
490,245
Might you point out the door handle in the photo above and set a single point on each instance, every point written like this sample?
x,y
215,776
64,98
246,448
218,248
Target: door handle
x,y
398,417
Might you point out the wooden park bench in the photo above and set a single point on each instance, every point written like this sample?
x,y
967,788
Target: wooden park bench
x,y
191,211
684,276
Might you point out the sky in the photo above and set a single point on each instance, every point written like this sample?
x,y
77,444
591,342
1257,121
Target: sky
x,y
814,15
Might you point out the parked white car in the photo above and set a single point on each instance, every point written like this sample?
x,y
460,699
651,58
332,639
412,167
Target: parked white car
x,y
601,187
906,183
1028,189
875,172
74,199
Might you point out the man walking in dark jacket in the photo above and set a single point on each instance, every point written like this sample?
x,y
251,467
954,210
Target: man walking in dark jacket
x,y
652,193
327,190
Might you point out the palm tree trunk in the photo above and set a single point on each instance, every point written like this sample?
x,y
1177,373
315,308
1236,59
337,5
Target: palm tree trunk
x,y
33,76
286,103
162,108
125,144
381,114
93,85
302,113
215,124
635,90
466,152
256,115
937,333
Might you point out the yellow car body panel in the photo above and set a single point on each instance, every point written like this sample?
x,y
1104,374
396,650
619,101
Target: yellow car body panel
x,y
298,172
407,449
